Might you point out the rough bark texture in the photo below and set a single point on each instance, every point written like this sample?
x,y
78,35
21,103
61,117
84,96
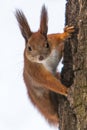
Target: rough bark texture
x,y
73,112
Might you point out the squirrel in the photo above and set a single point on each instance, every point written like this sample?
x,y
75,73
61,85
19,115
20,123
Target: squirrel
x,y
42,54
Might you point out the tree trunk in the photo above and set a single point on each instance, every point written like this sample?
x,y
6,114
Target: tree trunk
x,y
73,112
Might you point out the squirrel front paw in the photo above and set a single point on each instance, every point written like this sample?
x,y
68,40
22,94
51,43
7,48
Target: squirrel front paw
x,y
69,30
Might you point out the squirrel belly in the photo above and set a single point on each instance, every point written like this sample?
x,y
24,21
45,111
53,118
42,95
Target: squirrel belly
x,y
41,98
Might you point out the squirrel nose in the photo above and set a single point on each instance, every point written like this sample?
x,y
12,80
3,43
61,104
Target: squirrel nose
x,y
41,58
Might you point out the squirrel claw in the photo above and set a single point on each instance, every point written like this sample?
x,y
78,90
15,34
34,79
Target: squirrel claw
x,y
68,29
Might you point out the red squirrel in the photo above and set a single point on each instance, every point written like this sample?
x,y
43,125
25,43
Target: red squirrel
x,y
42,54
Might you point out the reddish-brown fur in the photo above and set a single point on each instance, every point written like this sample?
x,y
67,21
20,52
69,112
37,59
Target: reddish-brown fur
x,y
41,56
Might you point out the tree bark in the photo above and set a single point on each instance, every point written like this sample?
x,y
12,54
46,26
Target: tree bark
x,y
73,112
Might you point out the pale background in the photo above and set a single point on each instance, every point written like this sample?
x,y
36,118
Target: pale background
x,y
16,111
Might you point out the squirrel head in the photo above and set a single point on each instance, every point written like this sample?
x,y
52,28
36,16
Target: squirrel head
x,y
37,47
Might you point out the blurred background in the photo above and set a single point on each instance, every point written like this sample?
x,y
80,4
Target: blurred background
x,y
16,110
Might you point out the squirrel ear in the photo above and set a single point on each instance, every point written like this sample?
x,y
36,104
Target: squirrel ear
x,y
23,24
44,21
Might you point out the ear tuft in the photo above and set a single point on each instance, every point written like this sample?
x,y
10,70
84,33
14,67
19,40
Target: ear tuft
x,y
44,21
23,24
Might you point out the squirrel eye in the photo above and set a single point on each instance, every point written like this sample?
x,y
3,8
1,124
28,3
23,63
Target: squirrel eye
x,y
47,45
29,48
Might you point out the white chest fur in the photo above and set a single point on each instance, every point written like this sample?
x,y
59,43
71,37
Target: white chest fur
x,y
51,62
